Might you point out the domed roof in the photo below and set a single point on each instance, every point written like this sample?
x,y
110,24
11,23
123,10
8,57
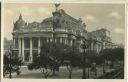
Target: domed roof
x,y
20,23
59,21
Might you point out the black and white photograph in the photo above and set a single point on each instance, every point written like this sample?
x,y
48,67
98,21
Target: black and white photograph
x,y
63,41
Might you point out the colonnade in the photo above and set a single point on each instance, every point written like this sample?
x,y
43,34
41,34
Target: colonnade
x,y
21,45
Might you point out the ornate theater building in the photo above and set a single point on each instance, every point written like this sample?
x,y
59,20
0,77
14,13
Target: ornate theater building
x,y
29,37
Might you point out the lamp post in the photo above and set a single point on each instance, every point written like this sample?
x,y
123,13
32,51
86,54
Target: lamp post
x,y
84,47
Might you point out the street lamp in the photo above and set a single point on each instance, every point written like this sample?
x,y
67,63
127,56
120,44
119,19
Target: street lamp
x,y
84,47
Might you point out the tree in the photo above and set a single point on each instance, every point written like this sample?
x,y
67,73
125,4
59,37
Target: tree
x,y
106,55
72,59
118,54
57,52
91,61
12,63
49,60
112,55
43,63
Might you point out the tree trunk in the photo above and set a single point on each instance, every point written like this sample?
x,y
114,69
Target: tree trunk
x,y
53,72
10,75
70,75
88,72
42,76
95,72
112,64
46,76
103,69
70,72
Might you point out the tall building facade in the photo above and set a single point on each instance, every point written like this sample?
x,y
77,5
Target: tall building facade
x,y
61,27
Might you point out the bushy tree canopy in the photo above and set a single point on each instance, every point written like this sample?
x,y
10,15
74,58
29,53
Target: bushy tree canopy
x,y
12,63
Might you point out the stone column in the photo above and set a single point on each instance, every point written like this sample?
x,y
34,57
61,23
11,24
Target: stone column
x,y
99,47
60,39
23,48
51,39
92,46
14,41
96,47
47,39
55,40
81,41
65,41
104,46
71,42
19,45
39,45
31,49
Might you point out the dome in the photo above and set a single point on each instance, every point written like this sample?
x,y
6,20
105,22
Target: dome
x,y
20,23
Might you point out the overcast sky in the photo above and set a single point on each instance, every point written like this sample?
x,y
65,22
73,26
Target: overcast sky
x,y
96,16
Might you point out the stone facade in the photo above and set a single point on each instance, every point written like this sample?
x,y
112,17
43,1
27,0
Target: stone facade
x,y
61,27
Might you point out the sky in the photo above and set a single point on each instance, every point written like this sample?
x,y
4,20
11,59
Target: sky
x,y
96,16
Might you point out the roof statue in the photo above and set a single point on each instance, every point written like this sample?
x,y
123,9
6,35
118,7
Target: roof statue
x,y
20,17
57,5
